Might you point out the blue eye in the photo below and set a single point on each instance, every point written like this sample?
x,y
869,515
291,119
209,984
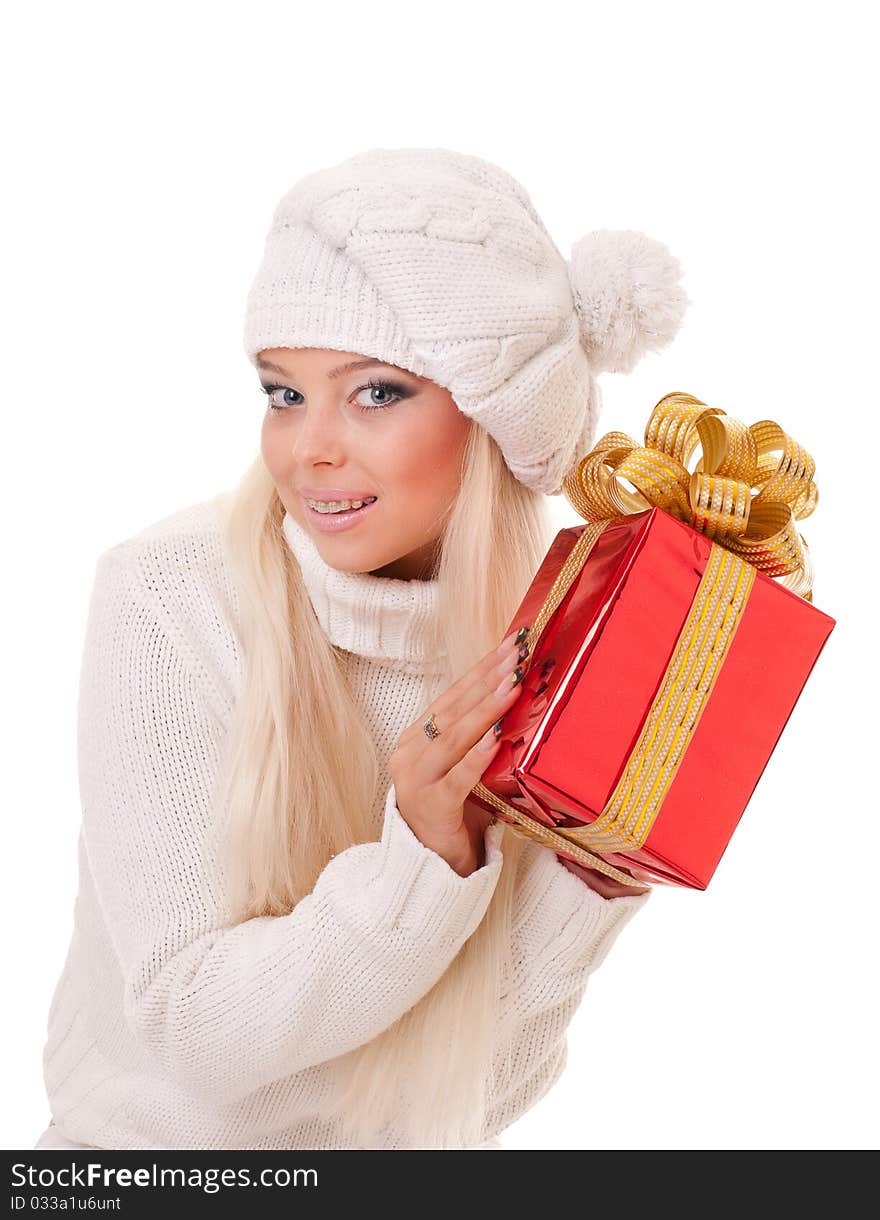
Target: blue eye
x,y
384,387
271,390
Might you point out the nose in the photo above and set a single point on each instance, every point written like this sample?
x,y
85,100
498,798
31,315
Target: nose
x,y
319,436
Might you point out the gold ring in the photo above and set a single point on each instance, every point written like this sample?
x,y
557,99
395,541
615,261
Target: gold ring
x,y
430,727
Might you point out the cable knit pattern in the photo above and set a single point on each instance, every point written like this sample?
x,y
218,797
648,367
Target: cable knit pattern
x,y
172,1027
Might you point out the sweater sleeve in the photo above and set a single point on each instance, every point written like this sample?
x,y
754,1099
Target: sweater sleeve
x,y
561,934
230,1007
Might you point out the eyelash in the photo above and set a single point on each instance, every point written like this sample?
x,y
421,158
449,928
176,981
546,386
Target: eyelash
x,y
399,390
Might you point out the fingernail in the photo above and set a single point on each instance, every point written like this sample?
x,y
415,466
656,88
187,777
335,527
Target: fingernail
x,y
509,680
489,739
496,728
521,634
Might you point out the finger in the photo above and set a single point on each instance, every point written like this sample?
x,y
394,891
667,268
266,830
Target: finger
x,y
461,693
466,722
463,777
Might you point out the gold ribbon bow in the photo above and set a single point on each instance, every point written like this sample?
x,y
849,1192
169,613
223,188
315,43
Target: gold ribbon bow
x,y
717,499
746,502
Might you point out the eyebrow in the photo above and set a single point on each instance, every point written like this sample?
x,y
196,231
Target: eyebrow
x,y
333,373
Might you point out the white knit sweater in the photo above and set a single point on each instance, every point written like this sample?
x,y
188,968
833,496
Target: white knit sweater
x,y
170,1027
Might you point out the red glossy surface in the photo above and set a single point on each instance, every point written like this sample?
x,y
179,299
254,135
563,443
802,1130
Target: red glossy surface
x,y
599,663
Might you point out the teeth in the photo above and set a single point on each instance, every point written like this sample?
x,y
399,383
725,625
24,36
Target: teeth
x,y
338,506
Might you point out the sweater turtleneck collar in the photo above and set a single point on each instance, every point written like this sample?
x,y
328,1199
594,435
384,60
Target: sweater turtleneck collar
x,y
374,616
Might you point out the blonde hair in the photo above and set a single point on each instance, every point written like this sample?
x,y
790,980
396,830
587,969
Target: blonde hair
x,y
300,779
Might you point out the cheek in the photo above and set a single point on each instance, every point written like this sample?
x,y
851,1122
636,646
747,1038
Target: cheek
x,y
416,474
270,446
428,459
445,458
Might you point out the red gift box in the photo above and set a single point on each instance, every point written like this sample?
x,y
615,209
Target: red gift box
x,y
664,665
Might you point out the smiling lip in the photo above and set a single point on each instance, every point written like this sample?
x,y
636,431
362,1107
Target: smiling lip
x,y
332,522
332,493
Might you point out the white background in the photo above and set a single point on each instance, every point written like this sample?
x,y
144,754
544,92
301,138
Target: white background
x,y
145,151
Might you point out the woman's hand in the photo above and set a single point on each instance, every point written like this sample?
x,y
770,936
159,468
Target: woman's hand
x,y
606,886
434,776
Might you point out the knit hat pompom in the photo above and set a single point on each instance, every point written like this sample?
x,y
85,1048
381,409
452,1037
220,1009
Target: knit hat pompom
x,y
627,295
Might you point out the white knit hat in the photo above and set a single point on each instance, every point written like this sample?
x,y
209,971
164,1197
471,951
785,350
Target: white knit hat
x,y
436,261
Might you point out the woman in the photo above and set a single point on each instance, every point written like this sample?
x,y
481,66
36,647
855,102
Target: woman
x,y
293,928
